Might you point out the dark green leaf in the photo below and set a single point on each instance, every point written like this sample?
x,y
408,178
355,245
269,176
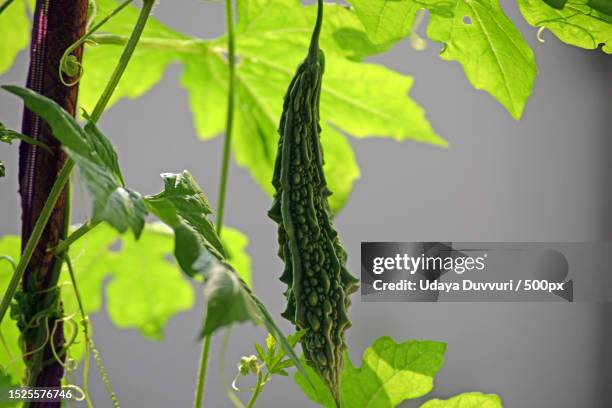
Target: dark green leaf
x,y
97,160
6,381
184,208
314,387
558,4
228,299
7,136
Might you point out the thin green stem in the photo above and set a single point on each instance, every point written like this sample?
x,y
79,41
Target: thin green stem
x,y
85,323
191,46
145,11
231,395
257,391
39,227
231,45
82,230
202,373
229,124
314,42
5,5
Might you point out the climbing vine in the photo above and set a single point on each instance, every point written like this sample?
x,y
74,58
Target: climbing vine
x,y
242,87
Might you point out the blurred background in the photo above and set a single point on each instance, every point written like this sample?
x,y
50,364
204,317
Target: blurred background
x,y
545,178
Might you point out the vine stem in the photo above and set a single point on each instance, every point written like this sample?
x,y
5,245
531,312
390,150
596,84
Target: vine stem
x,y
229,124
227,145
78,233
85,323
145,11
41,223
261,381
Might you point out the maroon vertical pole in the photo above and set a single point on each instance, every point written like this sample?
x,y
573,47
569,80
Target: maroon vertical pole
x,y
57,25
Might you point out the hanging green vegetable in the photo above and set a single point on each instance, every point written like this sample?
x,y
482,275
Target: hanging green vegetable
x,y
315,272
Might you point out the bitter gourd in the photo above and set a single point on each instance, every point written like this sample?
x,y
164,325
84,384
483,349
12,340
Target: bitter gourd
x,y
318,282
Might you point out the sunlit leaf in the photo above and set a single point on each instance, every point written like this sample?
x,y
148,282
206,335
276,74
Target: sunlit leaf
x,y
467,400
577,23
14,33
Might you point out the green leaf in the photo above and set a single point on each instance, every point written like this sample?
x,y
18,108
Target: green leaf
x,y
491,50
97,160
386,21
14,33
2,170
392,372
145,288
476,33
362,99
228,299
558,4
314,387
7,136
183,207
467,400
10,351
6,381
576,24
146,67
235,244
198,250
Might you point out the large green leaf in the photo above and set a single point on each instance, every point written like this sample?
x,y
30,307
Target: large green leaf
x,y
146,67
386,21
97,160
467,400
146,289
577,23
491,50
389,374
358,98
235,244
10,351
14,33
392,372
475,33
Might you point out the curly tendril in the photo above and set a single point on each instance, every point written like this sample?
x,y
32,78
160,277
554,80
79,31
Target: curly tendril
x,y
69,64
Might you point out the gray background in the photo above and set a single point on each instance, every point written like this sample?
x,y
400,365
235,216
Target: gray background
x,y
545,178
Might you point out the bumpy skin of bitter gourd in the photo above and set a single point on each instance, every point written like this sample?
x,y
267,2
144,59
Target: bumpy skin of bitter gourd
x,y
315,272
